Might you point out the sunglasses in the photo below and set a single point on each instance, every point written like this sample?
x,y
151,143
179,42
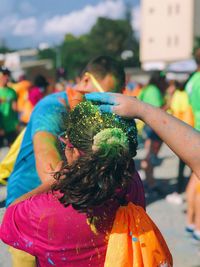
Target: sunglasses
x,y
64,141
95,82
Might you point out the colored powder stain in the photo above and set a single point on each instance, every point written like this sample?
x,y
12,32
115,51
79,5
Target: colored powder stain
x,y
130,233
29,244
134,239
50,261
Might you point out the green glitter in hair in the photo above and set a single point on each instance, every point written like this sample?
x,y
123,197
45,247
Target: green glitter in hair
x,y
110,142
85,121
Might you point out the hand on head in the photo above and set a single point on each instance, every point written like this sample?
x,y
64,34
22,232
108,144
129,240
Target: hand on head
x,y
125,106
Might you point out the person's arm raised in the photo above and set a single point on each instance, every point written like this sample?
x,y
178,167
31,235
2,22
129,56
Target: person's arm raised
x,y
180,137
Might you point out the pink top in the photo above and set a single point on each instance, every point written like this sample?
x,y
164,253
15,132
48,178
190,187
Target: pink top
x,y
60,236
35,94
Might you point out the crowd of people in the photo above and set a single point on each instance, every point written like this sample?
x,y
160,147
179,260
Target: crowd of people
x,y
74,171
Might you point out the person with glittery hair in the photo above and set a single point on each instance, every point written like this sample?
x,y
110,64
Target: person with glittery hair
x,y
39,148
69,225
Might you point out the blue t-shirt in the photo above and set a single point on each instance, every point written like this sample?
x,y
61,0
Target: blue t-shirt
x,y
48,115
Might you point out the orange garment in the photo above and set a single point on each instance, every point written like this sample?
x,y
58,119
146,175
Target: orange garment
x,y
26,113
22,89
135,241
135,92
74,97
23,104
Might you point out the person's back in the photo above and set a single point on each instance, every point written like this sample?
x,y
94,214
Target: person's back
x,y
180,107
151,94
64,236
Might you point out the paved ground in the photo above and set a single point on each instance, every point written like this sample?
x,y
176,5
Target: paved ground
x,y
169,218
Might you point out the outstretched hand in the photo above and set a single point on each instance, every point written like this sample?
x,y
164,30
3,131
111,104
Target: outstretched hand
x,y
125,106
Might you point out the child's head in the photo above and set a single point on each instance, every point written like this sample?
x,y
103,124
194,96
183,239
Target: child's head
x,y
101,146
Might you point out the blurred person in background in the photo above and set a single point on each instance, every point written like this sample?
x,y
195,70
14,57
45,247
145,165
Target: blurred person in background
x,y
35,93
170,90
133,89
193,187
22,88
8,110
152,93
39,149
179,107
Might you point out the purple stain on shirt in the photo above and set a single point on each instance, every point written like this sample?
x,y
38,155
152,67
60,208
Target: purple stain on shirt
x,y
29,244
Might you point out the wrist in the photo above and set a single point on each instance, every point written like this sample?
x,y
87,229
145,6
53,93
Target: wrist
x,y
141,109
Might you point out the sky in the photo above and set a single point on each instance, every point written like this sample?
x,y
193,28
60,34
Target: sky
x,y
28,23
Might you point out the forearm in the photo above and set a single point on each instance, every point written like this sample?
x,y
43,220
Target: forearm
x,y
46,154
180,137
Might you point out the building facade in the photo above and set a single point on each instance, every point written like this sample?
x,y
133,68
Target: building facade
x,y
168,29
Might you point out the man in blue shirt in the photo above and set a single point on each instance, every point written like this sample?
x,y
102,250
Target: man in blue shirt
x,y
39,146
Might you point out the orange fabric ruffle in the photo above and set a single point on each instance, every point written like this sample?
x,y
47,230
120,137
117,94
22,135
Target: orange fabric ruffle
x,y
135,241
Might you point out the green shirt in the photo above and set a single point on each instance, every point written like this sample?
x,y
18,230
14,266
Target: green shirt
x,y
193,89
8,117
151,95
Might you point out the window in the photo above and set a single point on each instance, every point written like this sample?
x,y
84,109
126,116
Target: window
x,y
151,40
177,9
169,41
176,40
151,10
169,10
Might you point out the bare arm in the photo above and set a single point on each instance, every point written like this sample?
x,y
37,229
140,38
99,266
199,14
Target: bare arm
x,y
46,154
180,137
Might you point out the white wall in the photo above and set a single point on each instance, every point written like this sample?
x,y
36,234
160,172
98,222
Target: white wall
x,y
166,30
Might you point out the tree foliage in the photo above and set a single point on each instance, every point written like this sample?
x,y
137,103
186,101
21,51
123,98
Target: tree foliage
x,y
107,37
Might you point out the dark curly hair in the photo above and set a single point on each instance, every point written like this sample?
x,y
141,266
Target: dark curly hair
x,y
99,173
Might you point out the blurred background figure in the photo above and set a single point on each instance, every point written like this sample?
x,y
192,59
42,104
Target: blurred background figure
x,y
133,89
152,93
8,110
35,93
22,88
178,105
193,188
